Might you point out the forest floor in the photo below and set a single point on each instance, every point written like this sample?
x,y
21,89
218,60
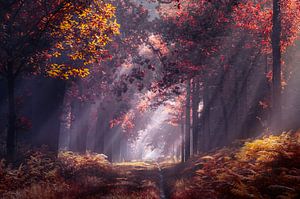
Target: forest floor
x,y
266,168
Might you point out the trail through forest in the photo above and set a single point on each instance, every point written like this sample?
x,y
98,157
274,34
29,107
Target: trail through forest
x,y
161,183
138,179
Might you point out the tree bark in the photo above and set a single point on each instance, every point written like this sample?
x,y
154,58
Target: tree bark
x,y
84,127
74,127
11,132
182,138
224,104
47,98
206,117
99,144
276,81
187,121
195,104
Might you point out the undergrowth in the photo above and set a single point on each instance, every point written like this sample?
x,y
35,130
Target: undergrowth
x,y
262,169
43,175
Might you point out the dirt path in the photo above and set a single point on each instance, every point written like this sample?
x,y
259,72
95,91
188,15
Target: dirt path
x,y
161,183
137,180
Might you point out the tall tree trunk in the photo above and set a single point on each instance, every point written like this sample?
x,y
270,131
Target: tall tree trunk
x,y
11,132
52,140
182,138
276,51
99,140
238,121
79,127
47,98
224,104
109,133
64,137
84,108
225,120
187,121
178,150
206,117
80,123
73,127
84,127
268,124
195,105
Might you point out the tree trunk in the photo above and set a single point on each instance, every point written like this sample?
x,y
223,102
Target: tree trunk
x,y
11,133
74,127
195,104
80,123
79,126
99,140
187,121
47,99
225,120
64,137
222,92
276,82
83,127
206,117
182,138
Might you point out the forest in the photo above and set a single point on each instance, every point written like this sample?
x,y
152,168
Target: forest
x,y
149,99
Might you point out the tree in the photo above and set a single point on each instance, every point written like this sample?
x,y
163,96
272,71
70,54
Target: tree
x,y
274,29
195,118
23,32
29,30
81,38
213,45
196,44
276,52
188,121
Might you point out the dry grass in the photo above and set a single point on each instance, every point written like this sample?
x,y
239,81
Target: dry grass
x,y
71,175
264,168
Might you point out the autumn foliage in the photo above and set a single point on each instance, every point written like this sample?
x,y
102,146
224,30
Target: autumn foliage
x,y
256,17
81,39
69,35
201,67
267,167
71,175
44,175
